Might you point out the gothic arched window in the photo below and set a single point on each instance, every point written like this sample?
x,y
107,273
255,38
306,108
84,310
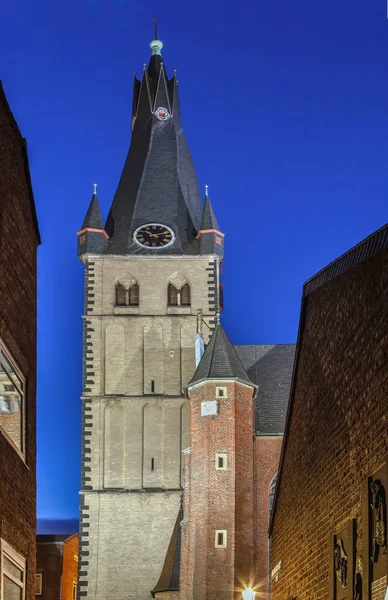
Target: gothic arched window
x,y
134,295
121,295
127,296
172,295
185,295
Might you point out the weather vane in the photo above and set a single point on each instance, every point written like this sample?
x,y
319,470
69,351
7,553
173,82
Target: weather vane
x,y
155,24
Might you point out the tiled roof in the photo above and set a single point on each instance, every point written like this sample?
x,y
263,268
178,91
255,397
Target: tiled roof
x,y
209,220
373,244
158,182
220,360
270,368
93,217
169,577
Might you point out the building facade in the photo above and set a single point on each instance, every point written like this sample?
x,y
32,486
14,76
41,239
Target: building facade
x,y
329,527
56,566
19,238
152,299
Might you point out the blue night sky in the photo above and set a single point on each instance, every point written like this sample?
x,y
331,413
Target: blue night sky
x,y
284,105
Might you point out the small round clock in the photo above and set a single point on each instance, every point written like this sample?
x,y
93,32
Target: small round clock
x,y
153,236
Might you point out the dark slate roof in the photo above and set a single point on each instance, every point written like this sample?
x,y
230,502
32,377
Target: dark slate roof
x,y
270,368
373,244
169,577
23,145
158,182
220,360
93,217
209,220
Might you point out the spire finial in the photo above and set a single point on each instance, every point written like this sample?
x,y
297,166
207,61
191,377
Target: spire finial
x,y
156,45
218,317
155,24
95,188
206,190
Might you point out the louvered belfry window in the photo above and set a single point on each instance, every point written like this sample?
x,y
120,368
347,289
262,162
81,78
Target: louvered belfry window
x,y
172,295
127,297
134,295
121,295
185,295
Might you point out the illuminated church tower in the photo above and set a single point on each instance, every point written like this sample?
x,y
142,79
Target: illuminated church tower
x,y
151,292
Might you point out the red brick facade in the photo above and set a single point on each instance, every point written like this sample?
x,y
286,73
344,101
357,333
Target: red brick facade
x,y
216,499
18,244
336,437
267,454
70,568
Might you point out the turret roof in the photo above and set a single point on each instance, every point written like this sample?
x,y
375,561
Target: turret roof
x,y
209,220
93,218
220,360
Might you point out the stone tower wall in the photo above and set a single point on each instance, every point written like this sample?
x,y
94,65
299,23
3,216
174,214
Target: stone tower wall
x,y
137,362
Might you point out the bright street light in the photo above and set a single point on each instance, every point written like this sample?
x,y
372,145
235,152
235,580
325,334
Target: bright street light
x,y
248,594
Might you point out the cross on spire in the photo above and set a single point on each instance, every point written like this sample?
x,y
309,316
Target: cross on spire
x,y
155,24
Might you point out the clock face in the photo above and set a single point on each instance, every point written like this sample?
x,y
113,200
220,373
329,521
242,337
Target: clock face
x,y
153,236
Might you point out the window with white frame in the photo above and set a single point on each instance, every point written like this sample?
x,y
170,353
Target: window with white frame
x,y
12,388
38,584
221,462
220,538
13,573
221,392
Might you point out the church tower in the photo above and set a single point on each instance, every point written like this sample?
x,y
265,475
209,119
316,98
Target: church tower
x,y
151,290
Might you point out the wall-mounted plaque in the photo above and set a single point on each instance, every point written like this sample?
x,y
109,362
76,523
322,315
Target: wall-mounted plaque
x,y
374,535
342,551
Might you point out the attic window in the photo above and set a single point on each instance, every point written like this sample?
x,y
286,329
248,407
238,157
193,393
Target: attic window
x,y
220,538
221,392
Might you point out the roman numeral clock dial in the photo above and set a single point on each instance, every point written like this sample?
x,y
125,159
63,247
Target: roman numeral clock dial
x,y
154,236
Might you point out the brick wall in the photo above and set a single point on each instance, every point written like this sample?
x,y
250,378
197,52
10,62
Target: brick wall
x,y
49,561
267,453
217,499
18,243
70,567
337,434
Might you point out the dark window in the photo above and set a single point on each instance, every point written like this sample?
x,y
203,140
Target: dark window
x,y
152,385
134,295
220,539
152,464
185,295
271,493
172,295
121,295
220,462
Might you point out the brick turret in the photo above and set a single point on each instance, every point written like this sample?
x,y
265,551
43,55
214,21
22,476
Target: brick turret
x,y
218,532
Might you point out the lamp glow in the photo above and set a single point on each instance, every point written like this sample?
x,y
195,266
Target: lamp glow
x,y
248,594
